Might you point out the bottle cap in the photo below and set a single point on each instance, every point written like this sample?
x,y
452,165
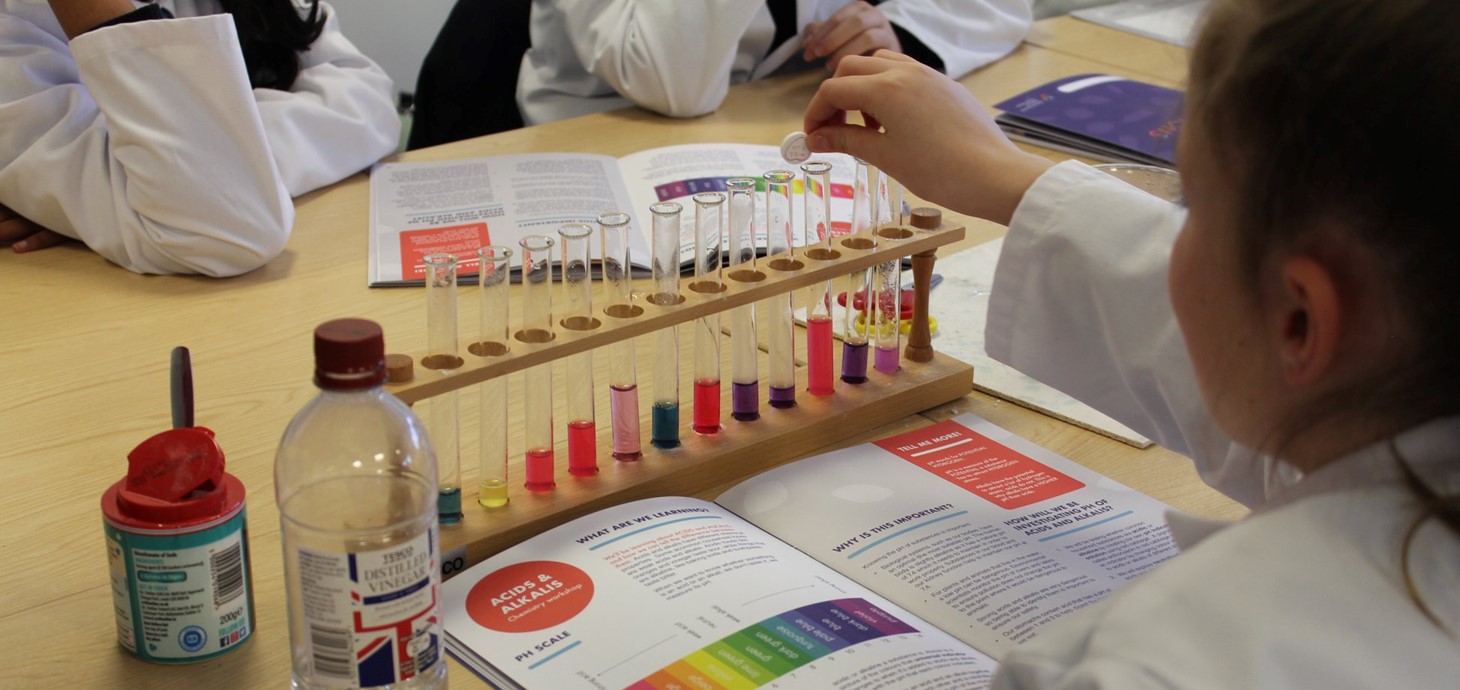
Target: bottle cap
x,y
349,354
794,148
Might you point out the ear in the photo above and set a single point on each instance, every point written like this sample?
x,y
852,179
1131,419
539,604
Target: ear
x,y
1310,321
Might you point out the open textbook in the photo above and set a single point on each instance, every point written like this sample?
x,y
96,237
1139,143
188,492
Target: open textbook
x,y
912,562
456,206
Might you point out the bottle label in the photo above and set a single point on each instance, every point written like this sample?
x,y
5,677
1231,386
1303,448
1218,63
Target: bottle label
x,y
181,597
373,616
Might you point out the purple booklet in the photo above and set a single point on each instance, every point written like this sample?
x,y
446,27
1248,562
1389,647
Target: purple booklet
x,y
1098,116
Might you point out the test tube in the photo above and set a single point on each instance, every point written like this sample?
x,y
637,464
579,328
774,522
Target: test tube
x,y
780,309
537,382
744,348
817,197
858,320
664,430
442,358
709,226
494,268
888,311
577,313
623,382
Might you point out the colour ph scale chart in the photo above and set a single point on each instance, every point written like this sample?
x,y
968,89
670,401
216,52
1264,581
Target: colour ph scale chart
x,y
759,654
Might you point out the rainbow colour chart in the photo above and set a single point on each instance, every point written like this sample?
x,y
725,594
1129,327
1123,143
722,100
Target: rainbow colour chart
x,y
761,653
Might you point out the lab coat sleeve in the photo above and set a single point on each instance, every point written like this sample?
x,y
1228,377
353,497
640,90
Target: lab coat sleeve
x,y
338,118
660,54
966,34
143,141
1080,302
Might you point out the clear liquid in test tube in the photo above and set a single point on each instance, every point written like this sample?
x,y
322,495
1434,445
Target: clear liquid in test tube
x,y
577,311
623,381
495,265
744,348
780,310
888,287
709,227
664,415
442,360
817,196
537,382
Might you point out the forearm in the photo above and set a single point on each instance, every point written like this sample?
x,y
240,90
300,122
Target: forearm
x,y
668,56
964,34
145,143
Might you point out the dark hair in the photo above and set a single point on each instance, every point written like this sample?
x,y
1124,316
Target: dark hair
x,y
1336,116
272,34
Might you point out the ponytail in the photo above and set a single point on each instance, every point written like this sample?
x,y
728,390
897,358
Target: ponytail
x,y
272,34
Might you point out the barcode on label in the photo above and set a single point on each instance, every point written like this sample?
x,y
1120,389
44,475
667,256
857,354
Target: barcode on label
x,y
227,567
332,653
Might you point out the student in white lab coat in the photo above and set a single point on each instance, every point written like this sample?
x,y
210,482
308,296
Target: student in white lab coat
x,y
155,135
1299,337
680,58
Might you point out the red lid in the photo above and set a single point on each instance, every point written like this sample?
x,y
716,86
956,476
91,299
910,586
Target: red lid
x,y
130,509
349,354
175,463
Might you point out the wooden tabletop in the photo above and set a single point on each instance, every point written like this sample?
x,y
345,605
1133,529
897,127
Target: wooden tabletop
x,y
86,345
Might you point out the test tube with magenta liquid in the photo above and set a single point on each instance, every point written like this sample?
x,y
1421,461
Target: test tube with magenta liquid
x,y
664,430
494,266
709,226
817,196
623,382
537,382
442,359
780,309
577,311
857,313
744,348
888,307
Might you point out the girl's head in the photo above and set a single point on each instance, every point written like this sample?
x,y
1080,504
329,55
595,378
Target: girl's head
x,y
1318,279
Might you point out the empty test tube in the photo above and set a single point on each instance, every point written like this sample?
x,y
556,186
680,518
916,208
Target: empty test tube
x,y
494,264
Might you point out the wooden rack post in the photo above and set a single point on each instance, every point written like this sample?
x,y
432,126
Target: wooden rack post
x,y
741,449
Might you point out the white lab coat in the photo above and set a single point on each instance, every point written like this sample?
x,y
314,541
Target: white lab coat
x,y
145,141
1304,593
680,59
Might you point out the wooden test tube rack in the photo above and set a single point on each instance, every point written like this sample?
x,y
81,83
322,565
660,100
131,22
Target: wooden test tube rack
x,y
741,449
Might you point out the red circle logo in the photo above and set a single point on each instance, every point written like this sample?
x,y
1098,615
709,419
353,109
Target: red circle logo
x,y
531,596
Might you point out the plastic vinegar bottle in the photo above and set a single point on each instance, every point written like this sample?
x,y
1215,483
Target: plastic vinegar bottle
x,y
355,480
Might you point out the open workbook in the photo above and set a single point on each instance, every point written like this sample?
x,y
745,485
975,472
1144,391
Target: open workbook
x,y
913,562
456,206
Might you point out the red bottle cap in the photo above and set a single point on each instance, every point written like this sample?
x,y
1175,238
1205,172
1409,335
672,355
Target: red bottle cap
x,y
349,354
174,479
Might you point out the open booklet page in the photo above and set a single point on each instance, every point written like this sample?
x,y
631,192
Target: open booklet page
x,y
456,206
976,530
671,593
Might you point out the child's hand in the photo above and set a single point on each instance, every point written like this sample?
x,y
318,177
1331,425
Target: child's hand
x,y
23,235
857,29
926,131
